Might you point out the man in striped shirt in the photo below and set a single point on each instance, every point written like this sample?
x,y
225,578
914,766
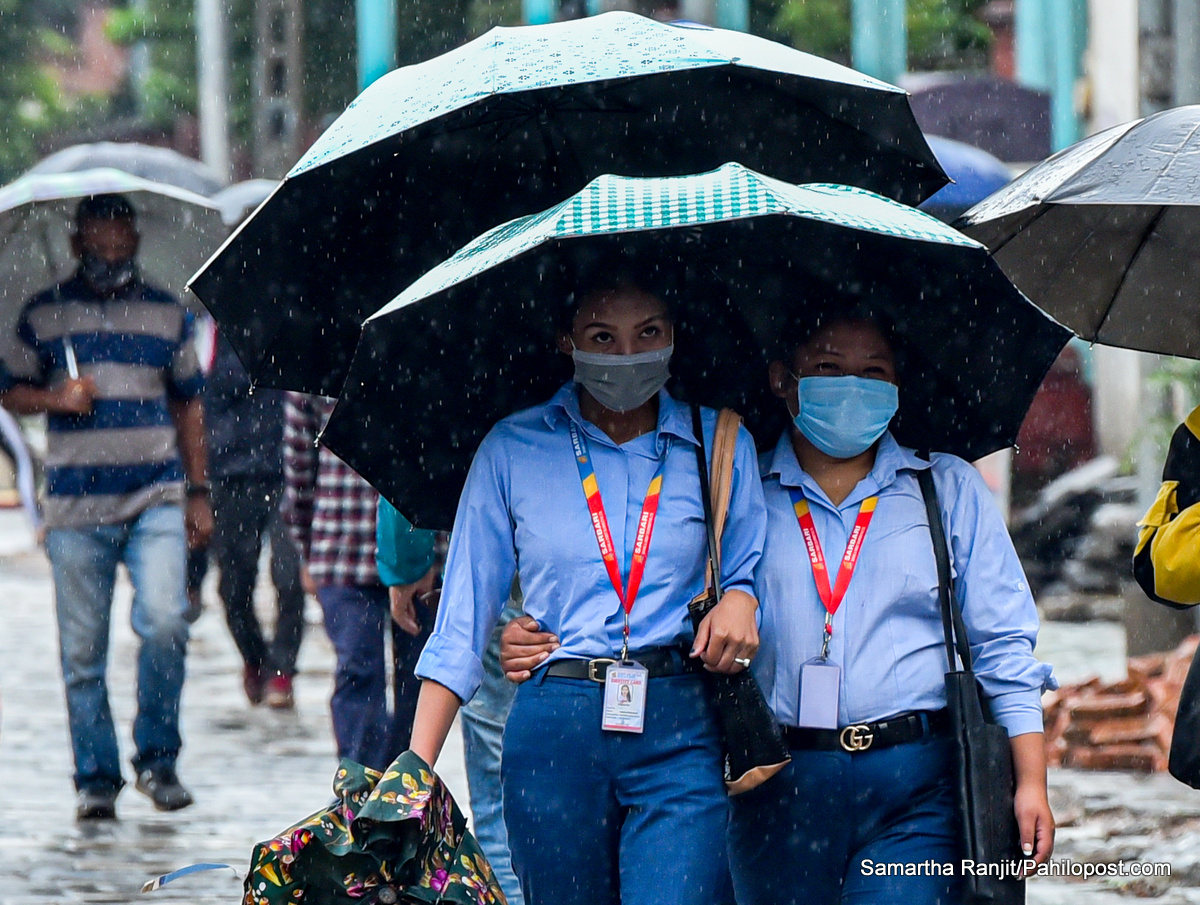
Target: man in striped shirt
x,y
111,361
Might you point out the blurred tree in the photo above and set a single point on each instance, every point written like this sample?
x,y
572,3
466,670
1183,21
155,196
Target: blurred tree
x,y
942,34
31,32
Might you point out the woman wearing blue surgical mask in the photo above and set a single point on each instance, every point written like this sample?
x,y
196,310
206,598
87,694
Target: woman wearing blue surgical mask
x,y
612,770
852,657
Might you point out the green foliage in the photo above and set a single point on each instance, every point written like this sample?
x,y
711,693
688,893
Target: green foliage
x,y
942,34
30,103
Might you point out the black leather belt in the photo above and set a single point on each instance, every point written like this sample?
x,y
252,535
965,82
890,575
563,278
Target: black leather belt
x,y
895,730
659,661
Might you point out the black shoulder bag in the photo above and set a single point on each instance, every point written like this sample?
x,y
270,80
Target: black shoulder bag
x,y
755,749
988,831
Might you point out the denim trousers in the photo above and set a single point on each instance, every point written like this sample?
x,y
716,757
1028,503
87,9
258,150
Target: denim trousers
x,y
816,832
246,511
357,618
483,721
612,818
84,565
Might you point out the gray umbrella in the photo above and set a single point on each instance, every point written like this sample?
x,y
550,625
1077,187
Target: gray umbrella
x,y
1103,235
149,162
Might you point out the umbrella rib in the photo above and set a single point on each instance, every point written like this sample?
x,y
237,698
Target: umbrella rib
x,y
1137,253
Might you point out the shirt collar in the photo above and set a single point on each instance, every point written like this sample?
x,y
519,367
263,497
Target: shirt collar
x,y
79,289
890,459
674,417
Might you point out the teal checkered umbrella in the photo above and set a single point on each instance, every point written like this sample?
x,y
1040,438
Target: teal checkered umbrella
x,y
749,256
434,154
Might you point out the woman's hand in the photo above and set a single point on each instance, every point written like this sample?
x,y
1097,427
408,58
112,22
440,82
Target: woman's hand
x,y
728,634
523,648
1032,807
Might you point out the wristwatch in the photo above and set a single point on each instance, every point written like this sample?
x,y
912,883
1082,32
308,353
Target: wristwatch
x,y
197,488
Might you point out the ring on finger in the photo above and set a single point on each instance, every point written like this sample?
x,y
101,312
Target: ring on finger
x,y
742,661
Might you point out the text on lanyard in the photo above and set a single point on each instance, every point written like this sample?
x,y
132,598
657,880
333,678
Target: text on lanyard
x,y
645,528
832,597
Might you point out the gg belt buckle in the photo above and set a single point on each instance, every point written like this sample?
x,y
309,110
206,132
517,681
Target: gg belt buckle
x,y
856,738
592,664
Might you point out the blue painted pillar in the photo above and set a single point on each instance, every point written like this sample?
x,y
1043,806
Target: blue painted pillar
x,y
375,24
733,14
539,12
1051,36
879,38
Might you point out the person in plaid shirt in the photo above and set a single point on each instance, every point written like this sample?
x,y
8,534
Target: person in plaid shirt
x,y
331,513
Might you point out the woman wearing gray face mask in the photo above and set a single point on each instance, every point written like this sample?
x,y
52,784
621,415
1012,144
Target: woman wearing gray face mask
x,y
596,494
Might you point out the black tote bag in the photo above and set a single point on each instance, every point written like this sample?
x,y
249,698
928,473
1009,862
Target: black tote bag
x,y
984,787
1184,759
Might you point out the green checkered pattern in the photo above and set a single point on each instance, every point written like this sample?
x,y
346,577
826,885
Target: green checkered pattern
x,y
618,204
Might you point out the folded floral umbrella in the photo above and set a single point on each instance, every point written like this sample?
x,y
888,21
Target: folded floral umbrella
x,y
473,339
391,837
432,155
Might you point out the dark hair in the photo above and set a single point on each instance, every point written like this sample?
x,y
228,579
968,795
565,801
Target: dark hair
x,y
797,331
590,272
103,207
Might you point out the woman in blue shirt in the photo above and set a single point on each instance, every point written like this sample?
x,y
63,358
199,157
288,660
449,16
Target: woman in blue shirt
x,y
887,768
602,815
865,812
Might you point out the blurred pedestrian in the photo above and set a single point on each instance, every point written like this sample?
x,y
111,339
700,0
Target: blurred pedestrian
x,y
331,513
110,360
246,443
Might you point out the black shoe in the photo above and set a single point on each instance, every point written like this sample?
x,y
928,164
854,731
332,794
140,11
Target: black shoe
x,y
162,786
95,805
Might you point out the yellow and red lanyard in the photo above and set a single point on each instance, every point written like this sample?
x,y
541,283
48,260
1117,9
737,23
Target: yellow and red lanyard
x,y
832,597
645,528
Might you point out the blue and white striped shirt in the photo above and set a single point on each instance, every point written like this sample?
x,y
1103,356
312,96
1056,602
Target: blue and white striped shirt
x,y
109,465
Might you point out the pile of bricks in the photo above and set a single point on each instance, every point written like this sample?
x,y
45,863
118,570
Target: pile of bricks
x,y
1124,725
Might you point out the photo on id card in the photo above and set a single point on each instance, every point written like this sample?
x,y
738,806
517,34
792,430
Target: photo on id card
x,y
624,698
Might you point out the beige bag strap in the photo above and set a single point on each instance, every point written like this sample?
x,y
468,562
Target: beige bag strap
x,y
720,469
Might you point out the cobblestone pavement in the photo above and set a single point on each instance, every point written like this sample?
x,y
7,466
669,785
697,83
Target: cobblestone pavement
x,y
255,771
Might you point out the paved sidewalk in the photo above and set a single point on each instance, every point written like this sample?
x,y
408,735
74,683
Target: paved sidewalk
x,y
253,771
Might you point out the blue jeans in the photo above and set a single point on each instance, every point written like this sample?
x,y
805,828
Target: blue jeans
x,y
356,618
483,730
804,835
609,818
84,564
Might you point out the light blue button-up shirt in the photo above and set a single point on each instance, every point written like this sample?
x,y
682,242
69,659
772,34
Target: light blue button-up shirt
x,y
523,510
887,634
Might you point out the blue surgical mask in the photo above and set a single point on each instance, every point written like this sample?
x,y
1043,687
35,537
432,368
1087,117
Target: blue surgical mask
x,y
844,416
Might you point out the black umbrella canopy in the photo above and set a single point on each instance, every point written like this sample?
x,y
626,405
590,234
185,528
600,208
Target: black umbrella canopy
x,y
434,154
1103,235
473,340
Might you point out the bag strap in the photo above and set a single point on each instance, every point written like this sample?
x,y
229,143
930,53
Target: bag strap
x,y
952,621
715,491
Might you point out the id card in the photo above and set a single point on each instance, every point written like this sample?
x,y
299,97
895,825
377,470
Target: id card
x,y
820,683
624,698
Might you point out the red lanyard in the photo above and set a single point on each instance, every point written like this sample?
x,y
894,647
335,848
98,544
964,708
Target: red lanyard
x,y
832,597
645,528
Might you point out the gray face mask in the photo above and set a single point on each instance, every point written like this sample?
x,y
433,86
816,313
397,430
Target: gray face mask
x,y
623,382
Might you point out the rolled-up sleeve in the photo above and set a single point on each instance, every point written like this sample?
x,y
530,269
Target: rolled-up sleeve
x,y
997,605
745,529
480,568
403,554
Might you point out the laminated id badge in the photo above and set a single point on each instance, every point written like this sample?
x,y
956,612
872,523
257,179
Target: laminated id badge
x,y
820,683
624,698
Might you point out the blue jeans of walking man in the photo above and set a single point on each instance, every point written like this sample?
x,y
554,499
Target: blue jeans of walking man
x,y
84,563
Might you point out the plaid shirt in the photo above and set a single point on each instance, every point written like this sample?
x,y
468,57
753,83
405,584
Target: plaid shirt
x,y
329,508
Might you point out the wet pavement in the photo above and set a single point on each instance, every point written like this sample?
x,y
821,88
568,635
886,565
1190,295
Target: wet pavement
x,y
255,771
